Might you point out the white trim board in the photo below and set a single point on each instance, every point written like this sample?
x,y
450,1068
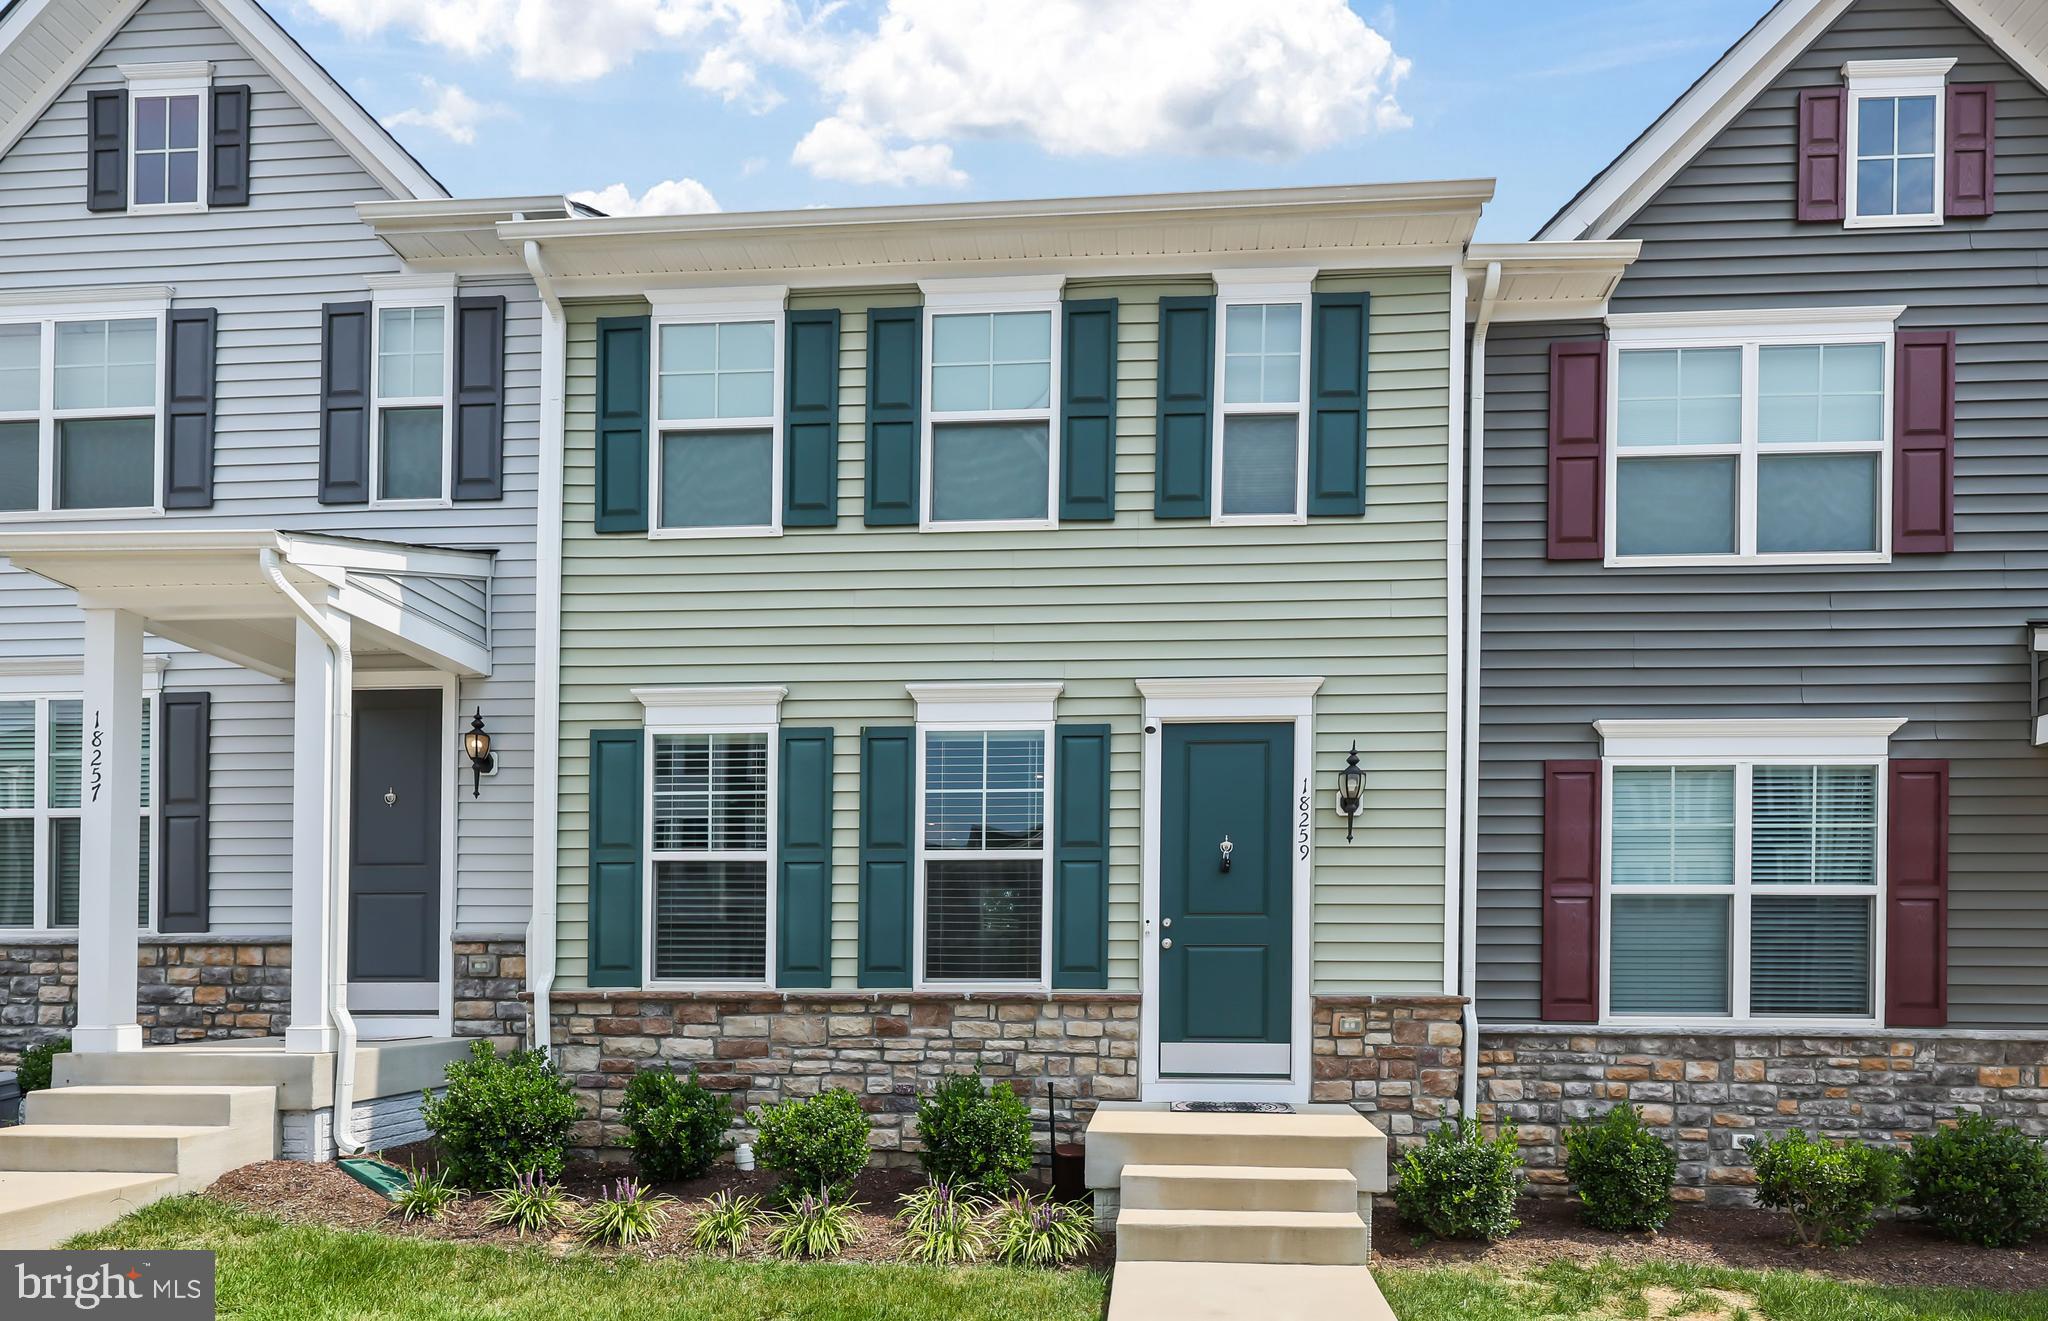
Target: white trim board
x,y
1855,737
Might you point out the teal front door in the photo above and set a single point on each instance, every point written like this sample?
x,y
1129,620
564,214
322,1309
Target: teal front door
x,y
1226,901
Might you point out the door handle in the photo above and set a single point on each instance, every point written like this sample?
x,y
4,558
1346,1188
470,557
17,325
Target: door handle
x,y
391,798
1225,849
1166,943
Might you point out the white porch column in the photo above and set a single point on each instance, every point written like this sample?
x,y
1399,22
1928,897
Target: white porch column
x,y
320,683
109,832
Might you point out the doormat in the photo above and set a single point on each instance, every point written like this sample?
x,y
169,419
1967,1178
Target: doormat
x,y
1232,1108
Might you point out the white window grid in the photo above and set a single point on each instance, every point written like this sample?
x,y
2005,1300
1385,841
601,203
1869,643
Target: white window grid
x,y
951,303
42,814
1295,290
765,855
1042,855
1742,891
150,83
48,417
1890,79
395,301
767,307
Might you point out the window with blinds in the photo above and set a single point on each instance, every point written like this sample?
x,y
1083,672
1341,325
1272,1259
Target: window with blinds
x,y
1743,890
710,857
984,855
41,775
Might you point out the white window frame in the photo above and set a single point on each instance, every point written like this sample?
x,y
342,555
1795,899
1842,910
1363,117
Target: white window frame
x,y
1750,332
48,309
710,710
192,78
701,307
990,295
41,689
985,708
390,293
1866,79
1259,288
1744,745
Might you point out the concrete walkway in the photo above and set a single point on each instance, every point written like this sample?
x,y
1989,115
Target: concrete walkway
x,y
1235,1291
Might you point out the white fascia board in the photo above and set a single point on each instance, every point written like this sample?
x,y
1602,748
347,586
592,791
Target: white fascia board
x,y
1855,737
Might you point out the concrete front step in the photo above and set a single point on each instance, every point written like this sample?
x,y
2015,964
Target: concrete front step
x,y
1313,1137
131,1148
1238,1188
41,1209
204,1106
1231,1291
1318,1238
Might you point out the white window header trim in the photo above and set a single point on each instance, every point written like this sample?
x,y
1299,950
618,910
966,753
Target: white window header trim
x,y
752,302
1897,75
1868,737
999,292
176,76
712,708
1805,324
1021,703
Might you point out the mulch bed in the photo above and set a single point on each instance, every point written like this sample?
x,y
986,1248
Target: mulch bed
x,y
1897,1252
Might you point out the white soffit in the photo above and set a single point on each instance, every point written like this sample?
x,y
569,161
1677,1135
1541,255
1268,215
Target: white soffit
x,y
1548,281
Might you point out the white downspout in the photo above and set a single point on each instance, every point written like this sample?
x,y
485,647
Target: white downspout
x,y
339,769
1475,563
547,650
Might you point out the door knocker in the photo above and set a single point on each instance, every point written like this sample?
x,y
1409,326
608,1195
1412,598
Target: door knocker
x,y
1225,849
391,798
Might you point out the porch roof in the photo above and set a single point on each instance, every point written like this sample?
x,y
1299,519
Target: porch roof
x,y
229,592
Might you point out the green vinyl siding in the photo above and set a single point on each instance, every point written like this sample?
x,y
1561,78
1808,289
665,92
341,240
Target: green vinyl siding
x,y
846,621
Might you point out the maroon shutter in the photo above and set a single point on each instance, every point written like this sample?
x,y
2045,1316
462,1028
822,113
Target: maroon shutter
x,y
1823,122
1916,896
1578,433
1571,891
1972,149
1924,443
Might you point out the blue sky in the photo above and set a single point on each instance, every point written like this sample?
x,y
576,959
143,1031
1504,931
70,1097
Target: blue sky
x,y
757,104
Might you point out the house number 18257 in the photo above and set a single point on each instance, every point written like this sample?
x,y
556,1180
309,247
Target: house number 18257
x,y
98,756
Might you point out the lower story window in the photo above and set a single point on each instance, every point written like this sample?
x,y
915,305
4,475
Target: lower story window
x,y
41,773
710,857
984,855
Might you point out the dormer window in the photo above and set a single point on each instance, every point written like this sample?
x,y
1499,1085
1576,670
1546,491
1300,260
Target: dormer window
x,y
1896,127
167,124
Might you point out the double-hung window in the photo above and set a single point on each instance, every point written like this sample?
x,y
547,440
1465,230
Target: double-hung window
x,y
1749,441
42,746
1897,110
79,407
167,110
711,777
718,412
991,460
410,439
1261,449
1744,874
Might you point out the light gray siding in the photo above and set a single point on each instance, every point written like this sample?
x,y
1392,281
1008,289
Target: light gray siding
x,y
267,268
1937,639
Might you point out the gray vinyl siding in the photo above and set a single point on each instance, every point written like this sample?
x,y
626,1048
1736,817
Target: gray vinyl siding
x,y
267,268
1937,639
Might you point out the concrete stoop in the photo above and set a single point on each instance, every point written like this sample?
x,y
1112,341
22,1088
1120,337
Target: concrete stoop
x,y
85,1156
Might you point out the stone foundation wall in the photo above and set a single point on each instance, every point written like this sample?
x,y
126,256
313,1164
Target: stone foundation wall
x,y
1708,1094
1396,1059
490,979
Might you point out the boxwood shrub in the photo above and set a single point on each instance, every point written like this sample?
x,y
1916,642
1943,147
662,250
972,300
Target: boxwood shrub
x,y
677,1124
1620,1170
1980,1182
1461,1184
502,1116
974,1136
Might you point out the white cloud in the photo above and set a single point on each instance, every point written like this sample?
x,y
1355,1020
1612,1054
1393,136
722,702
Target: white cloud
x,y
836,148
672,197
450,111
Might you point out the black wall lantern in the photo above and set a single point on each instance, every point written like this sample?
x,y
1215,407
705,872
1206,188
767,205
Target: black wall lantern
x,y
476,745
1351,791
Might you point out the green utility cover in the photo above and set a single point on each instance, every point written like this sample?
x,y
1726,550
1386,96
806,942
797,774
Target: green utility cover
x,y
379,1176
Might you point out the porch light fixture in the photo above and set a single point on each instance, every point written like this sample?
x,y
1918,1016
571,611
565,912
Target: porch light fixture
x,y
476,745
1351,791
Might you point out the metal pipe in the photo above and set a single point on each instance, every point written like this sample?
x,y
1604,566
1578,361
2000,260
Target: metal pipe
x,y
1475,566
547,647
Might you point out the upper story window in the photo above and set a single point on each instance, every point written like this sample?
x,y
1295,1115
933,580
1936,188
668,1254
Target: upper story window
x,y
41,805
167,106
989,429
410,436
1749,442
1261,451
717,408
79,408
1896,135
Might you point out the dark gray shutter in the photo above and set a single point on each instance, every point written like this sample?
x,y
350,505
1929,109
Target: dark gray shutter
x,y
803,860
1080,858
188,408
344,403
1088,410
1187,383
623,366
480,398
184,754
617,856
106,151
810,420
895,375
1338,336
227,161
888,794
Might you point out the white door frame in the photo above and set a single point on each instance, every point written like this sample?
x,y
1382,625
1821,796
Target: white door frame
x,y
1230,701
371,1026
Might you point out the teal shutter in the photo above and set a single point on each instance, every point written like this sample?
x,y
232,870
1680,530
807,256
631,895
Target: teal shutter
x,y
1187,386
888,787
810,420
1080,858
803,860
895,373
1088,409
1336,429
623,366
617,856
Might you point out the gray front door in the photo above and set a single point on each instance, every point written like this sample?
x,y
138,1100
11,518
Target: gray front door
x,y
394,937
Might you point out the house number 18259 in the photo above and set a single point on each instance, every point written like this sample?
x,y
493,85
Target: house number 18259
x,y
1303,808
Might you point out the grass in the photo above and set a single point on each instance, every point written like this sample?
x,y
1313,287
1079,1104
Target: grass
x,y
280,1272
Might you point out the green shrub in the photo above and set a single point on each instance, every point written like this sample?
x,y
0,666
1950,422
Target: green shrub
x,y
33,1069
1980,1182
940,1227
502,1116
531,1205
974,1136
817,1143
727,1221
678,1125
1832,1191
1037,1231
815,1225
1621,1171
425,1196
1460,1184
622,1215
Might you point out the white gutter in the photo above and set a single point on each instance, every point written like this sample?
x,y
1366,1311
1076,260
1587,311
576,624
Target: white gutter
x,y
1475,564
339,770
547,651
